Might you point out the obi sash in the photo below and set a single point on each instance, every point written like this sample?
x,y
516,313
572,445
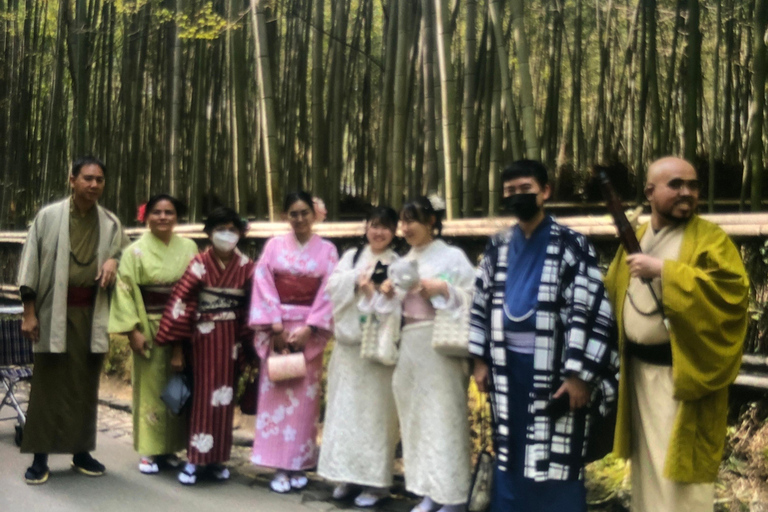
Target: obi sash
x,y
221,300
297,290
80,296
656,354
155,297
417,309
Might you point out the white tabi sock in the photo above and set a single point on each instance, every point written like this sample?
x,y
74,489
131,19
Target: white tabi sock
x,y
426,505
453,508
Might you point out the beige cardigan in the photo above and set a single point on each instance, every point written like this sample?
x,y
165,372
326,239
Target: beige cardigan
x,y
45,269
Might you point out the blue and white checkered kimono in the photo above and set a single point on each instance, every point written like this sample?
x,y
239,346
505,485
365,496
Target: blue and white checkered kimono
x,y
575,334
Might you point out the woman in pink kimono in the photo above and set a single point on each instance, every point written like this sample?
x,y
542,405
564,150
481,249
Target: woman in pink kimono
x,y
291,312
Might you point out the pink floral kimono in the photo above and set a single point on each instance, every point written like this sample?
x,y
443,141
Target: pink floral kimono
x,y
289,287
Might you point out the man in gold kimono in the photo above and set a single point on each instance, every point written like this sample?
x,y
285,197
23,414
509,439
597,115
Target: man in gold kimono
x,y
68,262
680,349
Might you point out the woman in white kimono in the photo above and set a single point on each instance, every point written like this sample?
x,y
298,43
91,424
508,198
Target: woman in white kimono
x,y
430,388
360,432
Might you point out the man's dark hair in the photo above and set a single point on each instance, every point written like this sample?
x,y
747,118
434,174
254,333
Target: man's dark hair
x,y
82,161
221,216
525,169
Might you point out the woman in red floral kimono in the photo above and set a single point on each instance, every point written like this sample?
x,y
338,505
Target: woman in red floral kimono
x,y
208,311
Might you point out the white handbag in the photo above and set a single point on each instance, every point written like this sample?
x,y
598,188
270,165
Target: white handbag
x,y
380,339
450,334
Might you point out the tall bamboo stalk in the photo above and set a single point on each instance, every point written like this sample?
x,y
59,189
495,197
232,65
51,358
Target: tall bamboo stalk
x,y
401,115
318,117
173,133
714,123
757,109
447,97
495,8
526,83
693,82
470,94
267,109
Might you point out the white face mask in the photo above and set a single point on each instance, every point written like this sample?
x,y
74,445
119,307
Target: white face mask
x,y
225,241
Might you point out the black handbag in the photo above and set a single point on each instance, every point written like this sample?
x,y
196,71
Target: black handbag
x,y
601,431
250,396
177,392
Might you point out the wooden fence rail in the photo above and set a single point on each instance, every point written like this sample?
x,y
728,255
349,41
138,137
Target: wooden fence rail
x,y
737,225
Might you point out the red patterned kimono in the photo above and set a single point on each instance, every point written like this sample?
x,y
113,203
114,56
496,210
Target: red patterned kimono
x,y
207,309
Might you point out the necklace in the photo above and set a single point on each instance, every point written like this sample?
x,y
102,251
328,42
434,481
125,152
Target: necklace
x,y
82,263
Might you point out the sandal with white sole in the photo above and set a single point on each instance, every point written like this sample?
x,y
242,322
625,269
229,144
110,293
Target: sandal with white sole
x,y
148,466
281,483
299,481
188,475
370,497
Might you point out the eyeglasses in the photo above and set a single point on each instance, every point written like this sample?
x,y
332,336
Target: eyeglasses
x,y
679,183
299,214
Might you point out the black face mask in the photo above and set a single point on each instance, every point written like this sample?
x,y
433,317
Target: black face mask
x,y
522,206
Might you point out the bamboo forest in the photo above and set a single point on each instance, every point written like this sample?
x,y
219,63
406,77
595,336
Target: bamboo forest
x,y
373,101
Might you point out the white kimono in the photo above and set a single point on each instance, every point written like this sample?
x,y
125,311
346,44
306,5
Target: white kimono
x,y
44,268
430,388
360,432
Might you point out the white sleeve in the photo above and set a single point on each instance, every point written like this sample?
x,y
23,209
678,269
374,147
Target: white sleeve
x,y
461,282
341,283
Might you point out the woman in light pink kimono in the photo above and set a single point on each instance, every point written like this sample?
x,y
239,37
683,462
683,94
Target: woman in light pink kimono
x,y
291,312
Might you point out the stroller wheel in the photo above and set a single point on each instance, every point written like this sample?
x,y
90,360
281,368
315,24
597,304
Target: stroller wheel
x,y
19,434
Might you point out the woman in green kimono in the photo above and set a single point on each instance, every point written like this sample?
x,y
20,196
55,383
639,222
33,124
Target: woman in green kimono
x,y
148,269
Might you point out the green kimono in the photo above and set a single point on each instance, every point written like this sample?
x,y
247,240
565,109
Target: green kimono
x,y
149,262
705,294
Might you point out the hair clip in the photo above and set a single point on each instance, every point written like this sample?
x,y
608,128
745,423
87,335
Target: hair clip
x,y
141,213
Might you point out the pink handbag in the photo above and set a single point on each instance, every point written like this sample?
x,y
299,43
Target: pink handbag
x,y
282,367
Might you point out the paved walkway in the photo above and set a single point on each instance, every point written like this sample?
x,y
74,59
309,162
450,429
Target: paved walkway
x,y
123,488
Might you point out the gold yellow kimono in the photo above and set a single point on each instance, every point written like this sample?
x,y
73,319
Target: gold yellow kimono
x,y
705,295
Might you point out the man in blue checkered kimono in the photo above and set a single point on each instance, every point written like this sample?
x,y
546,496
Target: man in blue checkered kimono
x,y
543,340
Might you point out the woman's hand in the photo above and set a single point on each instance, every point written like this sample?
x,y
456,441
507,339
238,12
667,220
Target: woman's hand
x,y
280,341
387,289
299,338
177,358
138,342
366,286
432,287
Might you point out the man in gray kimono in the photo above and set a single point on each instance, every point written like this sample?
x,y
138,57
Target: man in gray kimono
x,y
67,264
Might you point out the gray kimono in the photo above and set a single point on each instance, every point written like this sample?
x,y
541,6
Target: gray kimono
x,y
44,274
